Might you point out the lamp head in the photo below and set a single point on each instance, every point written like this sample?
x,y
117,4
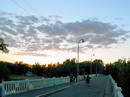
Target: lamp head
x,y
82,40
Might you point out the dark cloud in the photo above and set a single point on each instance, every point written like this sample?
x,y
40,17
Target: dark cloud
x,y
89,26
32,33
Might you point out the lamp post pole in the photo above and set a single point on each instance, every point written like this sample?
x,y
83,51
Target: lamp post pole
x,y
81,40
91,64
96,68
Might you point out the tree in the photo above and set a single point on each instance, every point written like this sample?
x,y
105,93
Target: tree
x,y
37,69
3,46
120,71
98,66
84,67
4,71
21,68
124,76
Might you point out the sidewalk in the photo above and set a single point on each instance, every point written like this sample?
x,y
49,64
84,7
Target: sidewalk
x,y
108,90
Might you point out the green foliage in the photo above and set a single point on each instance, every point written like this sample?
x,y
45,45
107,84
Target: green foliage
x,y
21,68
98,66
120,71
4,71
18,68
37,69
84,67
13,68
54,70
3,46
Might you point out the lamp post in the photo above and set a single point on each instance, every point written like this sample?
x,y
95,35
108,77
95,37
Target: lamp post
x,y
81,40
91,64
96,68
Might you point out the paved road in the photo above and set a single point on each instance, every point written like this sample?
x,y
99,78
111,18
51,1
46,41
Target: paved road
x,y
95,89
79,89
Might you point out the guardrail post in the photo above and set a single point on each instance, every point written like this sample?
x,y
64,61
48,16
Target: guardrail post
x,y
62,80
2,88
43,82
119,92
54,80
119,89
27,82
115,90
78,78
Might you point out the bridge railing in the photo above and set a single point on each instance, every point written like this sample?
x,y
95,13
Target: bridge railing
x,y
13,87
117,91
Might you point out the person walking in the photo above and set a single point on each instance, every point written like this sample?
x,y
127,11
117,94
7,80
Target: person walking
x,y
87,80
71,77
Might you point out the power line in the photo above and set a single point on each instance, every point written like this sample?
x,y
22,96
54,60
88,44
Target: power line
x,y
31,7
21,7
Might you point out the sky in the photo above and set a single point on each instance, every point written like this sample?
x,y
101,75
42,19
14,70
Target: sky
x,y
48,31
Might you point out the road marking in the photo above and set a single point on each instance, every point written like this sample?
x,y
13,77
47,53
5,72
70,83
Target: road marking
x,y
58,90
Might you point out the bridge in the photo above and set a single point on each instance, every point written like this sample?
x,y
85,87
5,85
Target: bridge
x,y
100,86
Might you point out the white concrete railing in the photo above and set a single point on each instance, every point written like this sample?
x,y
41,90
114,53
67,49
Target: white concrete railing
x,y
13,87
117,91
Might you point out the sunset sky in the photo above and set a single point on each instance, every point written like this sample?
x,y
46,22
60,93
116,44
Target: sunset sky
x,y
48,31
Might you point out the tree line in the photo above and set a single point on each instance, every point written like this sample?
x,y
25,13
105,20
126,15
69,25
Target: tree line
x,y
120,71
50,70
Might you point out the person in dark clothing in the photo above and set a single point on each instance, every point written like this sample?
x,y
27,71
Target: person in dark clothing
x,y
71,77
88,79
75,77
84,76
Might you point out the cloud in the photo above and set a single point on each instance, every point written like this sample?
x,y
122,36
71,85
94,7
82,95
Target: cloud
x,y
31,54
118,18
30,33
102,40
8,30
88,26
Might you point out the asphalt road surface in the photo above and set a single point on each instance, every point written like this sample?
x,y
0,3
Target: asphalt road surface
x,y
96,88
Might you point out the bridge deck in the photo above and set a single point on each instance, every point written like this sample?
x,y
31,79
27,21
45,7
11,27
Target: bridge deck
x,y
99,87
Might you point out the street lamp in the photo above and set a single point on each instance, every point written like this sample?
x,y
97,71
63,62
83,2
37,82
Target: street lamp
x,y
81,40
91,64
96,68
